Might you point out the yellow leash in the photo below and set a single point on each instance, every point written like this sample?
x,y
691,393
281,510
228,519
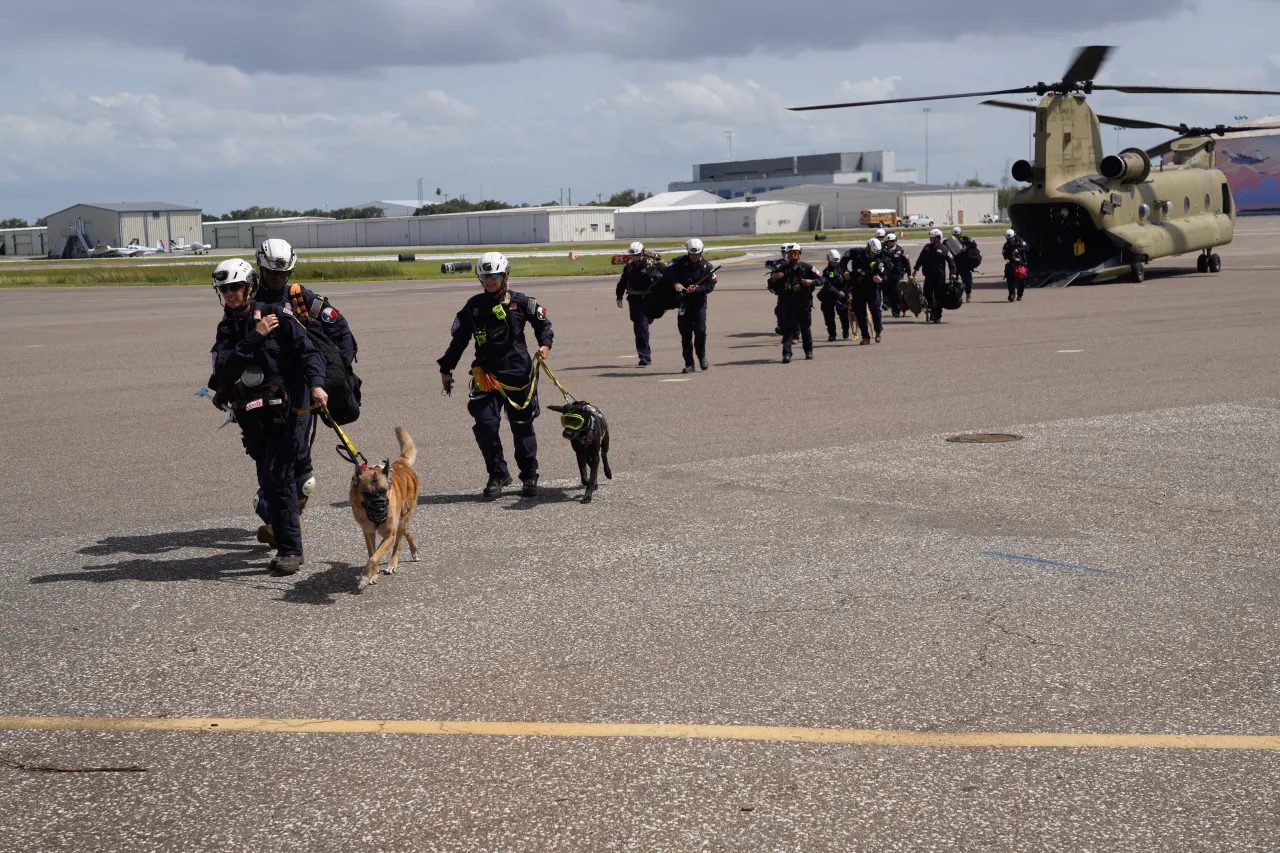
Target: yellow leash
x,y
502,388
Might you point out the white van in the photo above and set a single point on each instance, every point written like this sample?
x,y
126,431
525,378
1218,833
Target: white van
x,y
917,220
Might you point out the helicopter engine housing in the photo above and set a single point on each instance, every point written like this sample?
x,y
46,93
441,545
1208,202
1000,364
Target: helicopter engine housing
x,y
1130,166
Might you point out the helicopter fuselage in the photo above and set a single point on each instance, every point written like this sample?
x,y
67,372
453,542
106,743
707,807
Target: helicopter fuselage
x,y
1090,218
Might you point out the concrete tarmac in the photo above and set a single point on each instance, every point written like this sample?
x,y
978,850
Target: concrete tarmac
x,y
790,546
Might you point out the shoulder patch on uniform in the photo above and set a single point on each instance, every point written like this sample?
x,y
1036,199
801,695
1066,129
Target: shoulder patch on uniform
x,y
542,313
286,308
329,315
457,324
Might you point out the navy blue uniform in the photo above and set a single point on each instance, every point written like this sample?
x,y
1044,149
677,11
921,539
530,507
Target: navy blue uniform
x,y
834,299
306,303
1015,253
963,267
692,313
864,290
795,301
636,281
496,322
271,437
896,267
936,261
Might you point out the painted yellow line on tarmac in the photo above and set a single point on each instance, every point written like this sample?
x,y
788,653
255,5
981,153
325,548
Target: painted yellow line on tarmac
x,y
873,737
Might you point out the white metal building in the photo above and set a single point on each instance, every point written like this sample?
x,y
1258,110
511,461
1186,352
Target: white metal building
x,y
489,227
842,206
24,241
249,233
734,179
393,208
141,223
677,199
712,220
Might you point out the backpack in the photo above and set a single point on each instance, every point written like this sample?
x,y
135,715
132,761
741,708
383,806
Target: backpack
x,y
973,255
951,297
340,381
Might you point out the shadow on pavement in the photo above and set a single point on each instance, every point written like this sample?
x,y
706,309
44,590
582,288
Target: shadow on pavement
x,y
638,373
222,538
322,586
750,361
752,335
546,495
216,567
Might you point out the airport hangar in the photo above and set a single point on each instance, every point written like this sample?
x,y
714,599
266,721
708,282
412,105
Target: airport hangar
x,y
841,205
85,226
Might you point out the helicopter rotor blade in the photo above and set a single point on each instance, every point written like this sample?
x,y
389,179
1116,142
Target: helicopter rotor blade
x,y
1086,64
1019,91
1115,121
1183,90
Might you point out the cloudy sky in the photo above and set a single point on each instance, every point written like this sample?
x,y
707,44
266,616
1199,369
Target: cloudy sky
x,y
307,103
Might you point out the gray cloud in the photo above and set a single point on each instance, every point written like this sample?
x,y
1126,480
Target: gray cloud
x,y
342,38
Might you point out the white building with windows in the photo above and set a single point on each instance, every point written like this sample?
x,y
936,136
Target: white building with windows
x,y
738,179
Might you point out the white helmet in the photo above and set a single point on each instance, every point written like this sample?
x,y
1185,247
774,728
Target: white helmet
x,y
277,255
791,247
636,248
955,230
874,246
233,270
934,233
492,263
891,237
833,255
880,232
1009,234
694,246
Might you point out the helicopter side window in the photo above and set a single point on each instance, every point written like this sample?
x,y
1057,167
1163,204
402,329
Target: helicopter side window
x,y
1226,199
1144,210
1208,201
1166,208
1186,204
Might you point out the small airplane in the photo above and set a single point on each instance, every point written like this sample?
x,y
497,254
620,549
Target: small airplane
x,y
1244,159
196,248
133,250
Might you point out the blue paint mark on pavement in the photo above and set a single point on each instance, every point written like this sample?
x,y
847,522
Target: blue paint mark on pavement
x,y
1089,569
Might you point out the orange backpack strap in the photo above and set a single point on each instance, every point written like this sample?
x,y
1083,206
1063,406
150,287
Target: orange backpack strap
x,y
298,301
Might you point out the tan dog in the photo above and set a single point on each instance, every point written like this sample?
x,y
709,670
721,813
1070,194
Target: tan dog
x,y
383,500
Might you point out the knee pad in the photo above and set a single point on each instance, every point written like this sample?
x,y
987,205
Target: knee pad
x,y
308,487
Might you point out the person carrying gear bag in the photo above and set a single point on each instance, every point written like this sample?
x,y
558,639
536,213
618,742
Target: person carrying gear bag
x,y
937,262
833,297
897,266
503,376
265,365
693,278
864,270
967,257
794,282
1015,251
637,279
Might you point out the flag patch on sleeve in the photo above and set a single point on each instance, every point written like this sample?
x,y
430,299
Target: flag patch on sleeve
x,y
542,313
329,315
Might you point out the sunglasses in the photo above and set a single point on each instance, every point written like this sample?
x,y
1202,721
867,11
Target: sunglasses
x,y
484,276
230,287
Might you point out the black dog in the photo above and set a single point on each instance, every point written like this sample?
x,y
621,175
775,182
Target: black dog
x,y
588,432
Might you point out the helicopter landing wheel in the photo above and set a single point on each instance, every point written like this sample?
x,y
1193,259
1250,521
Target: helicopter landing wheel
x,y
1215,263
1137,272
1202,263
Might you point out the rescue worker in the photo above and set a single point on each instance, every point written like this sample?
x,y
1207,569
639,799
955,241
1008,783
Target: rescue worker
x,y
276,261
964,259
864,270
693,278
936,259
637,279
502,374
265,365
777,305
1015,251
834,297
896,267
794,282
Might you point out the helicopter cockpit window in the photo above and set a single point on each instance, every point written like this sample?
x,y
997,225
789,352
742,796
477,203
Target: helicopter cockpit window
x,y
1208,201
1166,208
1144,210
1186,204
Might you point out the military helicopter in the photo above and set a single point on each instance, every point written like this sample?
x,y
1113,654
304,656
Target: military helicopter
x,y
1089,216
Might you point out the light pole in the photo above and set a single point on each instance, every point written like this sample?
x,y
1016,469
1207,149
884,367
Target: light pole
x,y
926,112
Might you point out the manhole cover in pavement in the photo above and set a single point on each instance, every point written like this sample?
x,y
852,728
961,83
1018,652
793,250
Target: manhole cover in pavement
x,y
984,438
